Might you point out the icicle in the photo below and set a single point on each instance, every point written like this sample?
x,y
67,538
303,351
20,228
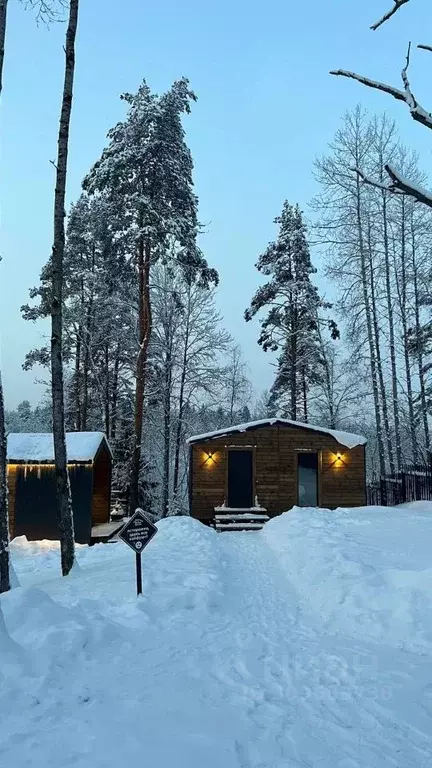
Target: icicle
x,y
39,472
25,472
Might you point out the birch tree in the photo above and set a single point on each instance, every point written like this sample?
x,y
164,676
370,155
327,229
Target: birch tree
x,y
4,517
398,182
64,501
237,384
44,8
187,368
343,231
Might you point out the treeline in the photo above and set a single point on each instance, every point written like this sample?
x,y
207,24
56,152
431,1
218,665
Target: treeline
x,y
361,364
144,347
377,250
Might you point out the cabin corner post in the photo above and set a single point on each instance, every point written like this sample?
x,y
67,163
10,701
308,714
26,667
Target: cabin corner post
x,y
190,480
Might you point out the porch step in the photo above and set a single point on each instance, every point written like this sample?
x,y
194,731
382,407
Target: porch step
x,y
105,531
240,520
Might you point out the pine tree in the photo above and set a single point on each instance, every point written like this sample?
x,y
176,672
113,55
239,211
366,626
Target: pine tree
x,y
99,315
292,320
147,168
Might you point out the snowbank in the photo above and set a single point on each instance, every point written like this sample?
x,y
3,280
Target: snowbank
x,y
307,644
365,572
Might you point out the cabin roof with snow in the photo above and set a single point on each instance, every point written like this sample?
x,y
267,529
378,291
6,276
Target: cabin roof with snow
x,y
348,439
38,448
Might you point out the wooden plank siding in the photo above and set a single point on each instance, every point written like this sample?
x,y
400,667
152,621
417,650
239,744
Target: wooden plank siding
x,y
276,450
101,488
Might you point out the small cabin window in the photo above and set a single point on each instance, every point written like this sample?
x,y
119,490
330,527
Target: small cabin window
x,y
307,479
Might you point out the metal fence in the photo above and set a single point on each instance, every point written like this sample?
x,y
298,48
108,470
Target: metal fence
x,y
412,483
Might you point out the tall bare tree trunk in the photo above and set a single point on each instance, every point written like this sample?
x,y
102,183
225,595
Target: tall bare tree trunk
x,y
304,395
402,289
166,432
181,403
64,501
294,363
107,410
366,302
4,517
377,345
418,338
145,323
114,394
3,19
78,351
392,345
88,337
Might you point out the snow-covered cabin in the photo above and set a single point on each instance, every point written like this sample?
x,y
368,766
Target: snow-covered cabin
x,y
271,465
32,490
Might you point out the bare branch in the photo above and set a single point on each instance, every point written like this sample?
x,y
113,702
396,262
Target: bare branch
x,y
398,185
395,92
418,113
372,183
425,47
401,185
404,74
47,11
396,5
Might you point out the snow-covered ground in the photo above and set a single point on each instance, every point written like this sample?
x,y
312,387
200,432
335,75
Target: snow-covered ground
x,y
305,645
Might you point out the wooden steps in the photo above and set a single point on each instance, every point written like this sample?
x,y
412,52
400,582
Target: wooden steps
x,y
105,531
227,519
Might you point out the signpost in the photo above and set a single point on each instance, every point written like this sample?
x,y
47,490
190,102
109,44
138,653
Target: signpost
x,y
137,533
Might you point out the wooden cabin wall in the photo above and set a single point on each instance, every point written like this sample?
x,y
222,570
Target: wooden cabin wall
x,y
11,481
275,469
101,487
33,501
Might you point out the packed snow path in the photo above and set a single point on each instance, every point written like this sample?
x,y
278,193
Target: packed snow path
x,y
223,662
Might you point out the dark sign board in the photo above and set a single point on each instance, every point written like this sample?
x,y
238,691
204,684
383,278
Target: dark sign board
x,y
138,531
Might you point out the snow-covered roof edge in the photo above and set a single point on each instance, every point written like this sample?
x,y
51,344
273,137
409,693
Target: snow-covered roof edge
x,y
348,439
39,447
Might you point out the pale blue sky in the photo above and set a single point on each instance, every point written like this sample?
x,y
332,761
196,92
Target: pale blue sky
x,y
266,107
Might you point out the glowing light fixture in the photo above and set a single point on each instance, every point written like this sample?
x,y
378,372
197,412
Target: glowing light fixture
x,y
339,460
209,458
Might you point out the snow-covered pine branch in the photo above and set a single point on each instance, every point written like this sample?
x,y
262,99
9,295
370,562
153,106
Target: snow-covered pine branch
x,y
397,4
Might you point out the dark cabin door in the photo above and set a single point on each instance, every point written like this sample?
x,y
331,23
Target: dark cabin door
x,y
307,479
240,479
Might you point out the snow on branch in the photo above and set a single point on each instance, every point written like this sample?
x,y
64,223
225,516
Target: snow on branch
x,y
402,185
418,113
398,185
396,5
371,182
395,92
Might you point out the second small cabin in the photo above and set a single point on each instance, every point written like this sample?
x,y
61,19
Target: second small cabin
x,y
272,465
32,486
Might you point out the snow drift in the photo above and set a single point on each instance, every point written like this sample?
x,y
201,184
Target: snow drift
x,y
304,645
366,571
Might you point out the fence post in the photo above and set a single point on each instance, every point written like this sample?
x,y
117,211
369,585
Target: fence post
x,y
403,487
383,490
